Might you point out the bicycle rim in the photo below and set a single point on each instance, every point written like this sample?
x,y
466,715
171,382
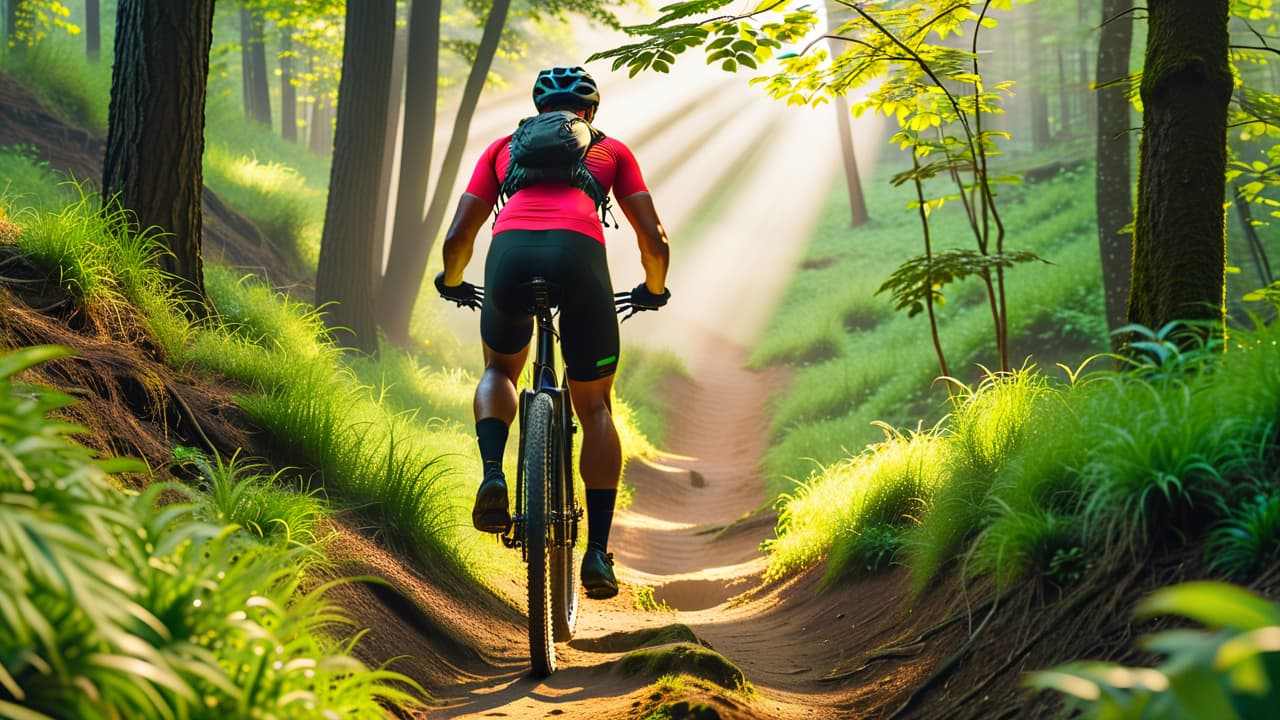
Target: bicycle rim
x,y
538,451
564,580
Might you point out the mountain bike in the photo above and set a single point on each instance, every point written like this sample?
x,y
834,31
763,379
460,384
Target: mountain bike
x,y
544,525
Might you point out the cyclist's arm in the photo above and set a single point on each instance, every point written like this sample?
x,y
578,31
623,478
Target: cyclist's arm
x,y
461,238
655,253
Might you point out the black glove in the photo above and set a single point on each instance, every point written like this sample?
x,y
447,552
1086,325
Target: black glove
x,y
639,299
464,294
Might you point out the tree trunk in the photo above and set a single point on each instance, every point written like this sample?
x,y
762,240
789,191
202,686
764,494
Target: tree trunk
x,y
93,30
259,83
11,24
155,134
1085,97
288,93
1038,102
1179,255
1257,251
320,135
837,15
246,64
395,305
386,184
344,276
1064,98
408,261
1112,186
857,202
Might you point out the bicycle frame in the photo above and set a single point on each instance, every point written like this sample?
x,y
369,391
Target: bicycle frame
x,y
545,380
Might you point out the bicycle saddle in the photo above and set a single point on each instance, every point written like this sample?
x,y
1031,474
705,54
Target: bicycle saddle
x,y
536,294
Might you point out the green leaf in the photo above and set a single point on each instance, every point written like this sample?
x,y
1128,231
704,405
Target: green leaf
x,y
15,362
1213,604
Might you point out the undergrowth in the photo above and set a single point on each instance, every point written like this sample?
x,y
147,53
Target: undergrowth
x,y
121,606
1038,477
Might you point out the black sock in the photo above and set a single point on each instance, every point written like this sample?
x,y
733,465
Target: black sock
x,y
600,516
491,435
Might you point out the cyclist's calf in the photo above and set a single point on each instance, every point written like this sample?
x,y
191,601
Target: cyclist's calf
x,y
601,462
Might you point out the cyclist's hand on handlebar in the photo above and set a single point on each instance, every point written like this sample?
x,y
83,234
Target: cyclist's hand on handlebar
x,y
630,303
464,294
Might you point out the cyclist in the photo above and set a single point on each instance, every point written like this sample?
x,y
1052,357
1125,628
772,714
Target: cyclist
x,y
552,230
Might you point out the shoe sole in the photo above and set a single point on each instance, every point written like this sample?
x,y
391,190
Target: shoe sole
x,y
492,521
600,592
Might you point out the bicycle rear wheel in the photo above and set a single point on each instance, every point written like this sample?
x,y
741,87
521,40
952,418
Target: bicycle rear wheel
x,y
538,449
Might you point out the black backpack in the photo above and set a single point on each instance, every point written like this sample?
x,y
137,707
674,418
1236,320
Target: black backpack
x,y
552,147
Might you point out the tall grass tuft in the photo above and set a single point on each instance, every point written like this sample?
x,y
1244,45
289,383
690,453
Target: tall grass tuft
x,y
116,606
847,511
241,493
99,255
989,424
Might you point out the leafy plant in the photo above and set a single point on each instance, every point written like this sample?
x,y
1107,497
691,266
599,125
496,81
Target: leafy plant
x,y
1248,539
933,90
1228,671
237,492
117,606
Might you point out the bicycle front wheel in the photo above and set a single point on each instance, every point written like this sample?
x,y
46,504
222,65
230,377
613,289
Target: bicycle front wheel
x,y
564,579
539,446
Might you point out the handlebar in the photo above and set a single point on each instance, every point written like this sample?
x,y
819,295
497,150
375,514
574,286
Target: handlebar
x,y
626,304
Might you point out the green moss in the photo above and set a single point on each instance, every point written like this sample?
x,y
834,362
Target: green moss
x,y
683,657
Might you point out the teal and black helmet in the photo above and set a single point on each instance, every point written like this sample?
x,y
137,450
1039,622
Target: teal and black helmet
x,y
565,87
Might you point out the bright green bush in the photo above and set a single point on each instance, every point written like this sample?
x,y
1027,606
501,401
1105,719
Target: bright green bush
x,y
115,606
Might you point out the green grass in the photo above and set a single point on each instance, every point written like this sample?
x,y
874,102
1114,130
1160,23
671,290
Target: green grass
x,y
1037,476
58,70
639,380
288,210
28,183
118,606
857,363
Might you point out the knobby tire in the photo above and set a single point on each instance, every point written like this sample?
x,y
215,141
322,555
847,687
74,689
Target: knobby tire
x,y
539,447
564,581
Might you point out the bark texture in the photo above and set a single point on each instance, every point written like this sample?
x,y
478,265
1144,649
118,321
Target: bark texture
x,y
345,275
1112,187
155,135
407,263
1179,244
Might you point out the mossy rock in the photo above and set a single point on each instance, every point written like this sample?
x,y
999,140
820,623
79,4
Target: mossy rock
x,y
631,640
683,658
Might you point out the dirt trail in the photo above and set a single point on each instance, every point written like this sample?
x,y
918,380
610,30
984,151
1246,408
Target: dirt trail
x,y
690,536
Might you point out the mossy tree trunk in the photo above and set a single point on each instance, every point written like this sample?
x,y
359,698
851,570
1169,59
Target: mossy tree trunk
x,y
155,133
345,275
1179,243
1113,188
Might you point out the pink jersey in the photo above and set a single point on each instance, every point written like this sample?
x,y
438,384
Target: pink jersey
x,y
556,206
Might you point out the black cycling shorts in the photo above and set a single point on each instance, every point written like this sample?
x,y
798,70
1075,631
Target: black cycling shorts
x,y
576,267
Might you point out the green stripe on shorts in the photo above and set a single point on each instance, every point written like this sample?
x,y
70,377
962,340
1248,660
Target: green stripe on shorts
x,y
606,361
